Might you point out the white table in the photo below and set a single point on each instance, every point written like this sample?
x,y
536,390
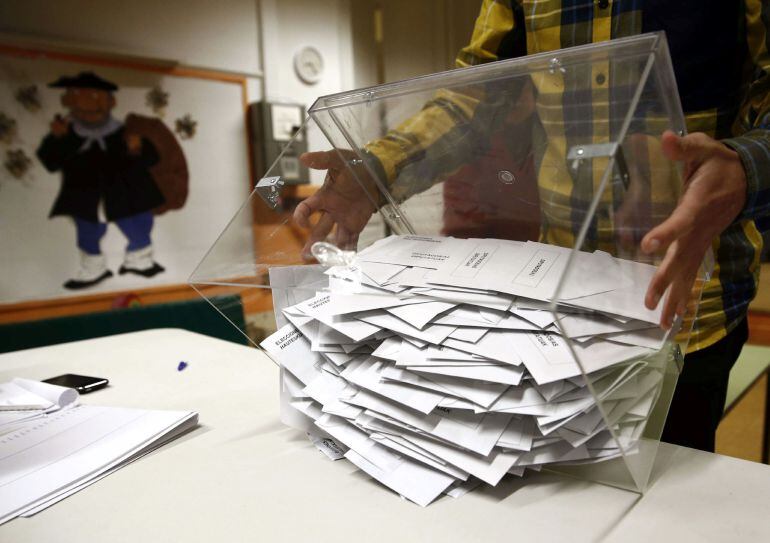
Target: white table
x,y
243,476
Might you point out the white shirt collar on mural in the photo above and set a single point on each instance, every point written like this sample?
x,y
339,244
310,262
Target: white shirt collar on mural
x,y
95,134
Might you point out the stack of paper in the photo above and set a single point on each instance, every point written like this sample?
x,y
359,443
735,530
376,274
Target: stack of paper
x,y
51,447
435,363
24,400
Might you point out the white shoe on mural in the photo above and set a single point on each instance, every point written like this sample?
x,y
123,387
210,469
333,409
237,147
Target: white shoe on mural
x,y
93,270
141,263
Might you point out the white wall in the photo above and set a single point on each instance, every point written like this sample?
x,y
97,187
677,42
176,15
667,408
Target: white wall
x,y
287,26
219,34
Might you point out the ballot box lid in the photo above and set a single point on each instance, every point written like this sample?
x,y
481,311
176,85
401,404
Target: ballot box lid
x,y
516,193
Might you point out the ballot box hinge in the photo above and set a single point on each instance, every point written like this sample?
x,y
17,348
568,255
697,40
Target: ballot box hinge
x,y
269,189
579,154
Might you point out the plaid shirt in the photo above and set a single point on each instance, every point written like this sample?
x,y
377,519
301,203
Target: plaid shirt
x,y
721,62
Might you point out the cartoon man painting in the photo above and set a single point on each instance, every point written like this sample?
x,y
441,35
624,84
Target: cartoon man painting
x,y
106,177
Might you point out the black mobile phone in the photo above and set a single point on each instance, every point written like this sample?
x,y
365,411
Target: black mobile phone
x,y
81,383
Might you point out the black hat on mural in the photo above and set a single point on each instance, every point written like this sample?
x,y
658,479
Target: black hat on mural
x,y
84,80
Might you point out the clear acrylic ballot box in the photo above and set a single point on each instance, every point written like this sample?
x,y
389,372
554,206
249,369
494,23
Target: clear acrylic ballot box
x,y
515,193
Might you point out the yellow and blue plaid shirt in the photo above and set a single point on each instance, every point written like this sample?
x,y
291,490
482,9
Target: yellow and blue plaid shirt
x,y
721,61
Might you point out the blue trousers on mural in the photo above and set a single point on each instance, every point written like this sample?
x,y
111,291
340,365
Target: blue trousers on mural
x,y
136,228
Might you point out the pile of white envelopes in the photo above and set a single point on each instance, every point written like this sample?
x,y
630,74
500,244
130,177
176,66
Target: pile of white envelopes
x,y
435,363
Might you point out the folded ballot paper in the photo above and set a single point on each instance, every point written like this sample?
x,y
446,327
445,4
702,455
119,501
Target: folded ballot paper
x,y
434,364
51,446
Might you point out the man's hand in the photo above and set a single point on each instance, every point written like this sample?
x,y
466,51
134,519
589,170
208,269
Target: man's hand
x,y
59,126
134,144
341,200
714,195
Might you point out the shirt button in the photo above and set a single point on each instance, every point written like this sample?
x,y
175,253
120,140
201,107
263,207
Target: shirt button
x,y
604,4
600,79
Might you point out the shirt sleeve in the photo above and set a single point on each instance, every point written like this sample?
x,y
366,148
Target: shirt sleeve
x,y
435,130
753,125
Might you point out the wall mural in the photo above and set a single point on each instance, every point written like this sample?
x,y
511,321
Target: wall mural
x,y
112,177
106,169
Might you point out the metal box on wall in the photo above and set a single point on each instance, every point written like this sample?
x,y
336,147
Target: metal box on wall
x,y
278,140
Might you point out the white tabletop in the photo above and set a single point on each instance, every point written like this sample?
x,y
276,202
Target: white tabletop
x,y
243,476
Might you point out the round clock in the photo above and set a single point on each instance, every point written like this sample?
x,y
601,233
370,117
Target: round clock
x,y
309,64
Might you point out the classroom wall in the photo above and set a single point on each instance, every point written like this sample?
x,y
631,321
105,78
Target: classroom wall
x,y
222,35
257,39
218,36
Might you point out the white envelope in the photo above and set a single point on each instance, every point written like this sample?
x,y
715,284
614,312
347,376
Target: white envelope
x,y
292,351
482,393
539,317
432,252
516,397
489,469
560,451
389,348
511,322
329,390
496,344
411,479
577,325
339,359
292,386
369,374
307,325
508,375
651,338
517,435
352,328
410,277
309,408
450,402
350,280
405,376
432,355
433,333
499,302
590,274
380,272
373,423
471,335
610,391
397,444
549,391
355,329
476,432
344,304
479,392
419,315
534,270
493,316
328,337
548,358
627,301
460,489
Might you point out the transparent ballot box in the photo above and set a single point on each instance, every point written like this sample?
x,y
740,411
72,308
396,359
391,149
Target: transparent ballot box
x,y
461,290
